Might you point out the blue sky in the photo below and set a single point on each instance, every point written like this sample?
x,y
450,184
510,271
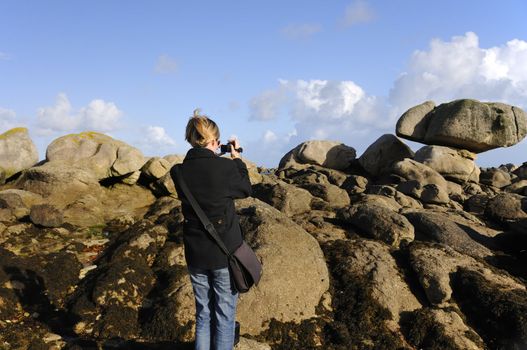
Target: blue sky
x,y
273,73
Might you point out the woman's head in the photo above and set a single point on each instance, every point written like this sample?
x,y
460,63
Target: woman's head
x,y
201,130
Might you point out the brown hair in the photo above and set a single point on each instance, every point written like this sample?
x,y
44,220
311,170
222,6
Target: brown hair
x,y
201,130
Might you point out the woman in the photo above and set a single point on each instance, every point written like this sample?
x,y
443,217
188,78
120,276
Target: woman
x,y
214,181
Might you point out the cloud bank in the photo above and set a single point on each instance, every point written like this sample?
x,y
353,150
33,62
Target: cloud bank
x,y
342,110
98,115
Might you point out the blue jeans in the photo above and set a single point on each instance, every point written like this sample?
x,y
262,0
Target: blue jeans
x,y
215,308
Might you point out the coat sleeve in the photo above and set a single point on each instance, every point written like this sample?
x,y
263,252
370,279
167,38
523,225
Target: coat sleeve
x,y
240,185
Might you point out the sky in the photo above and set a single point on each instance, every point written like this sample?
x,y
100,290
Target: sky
x,y
271,73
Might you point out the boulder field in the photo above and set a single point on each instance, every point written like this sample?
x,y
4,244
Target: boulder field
x,y
392,249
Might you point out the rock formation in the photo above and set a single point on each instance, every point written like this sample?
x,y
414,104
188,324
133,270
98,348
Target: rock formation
x,y
391,250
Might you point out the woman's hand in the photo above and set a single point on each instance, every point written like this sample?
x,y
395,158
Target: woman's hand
x,y
234,144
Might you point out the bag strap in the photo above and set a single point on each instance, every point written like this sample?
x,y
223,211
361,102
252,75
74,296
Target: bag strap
x,y
199,212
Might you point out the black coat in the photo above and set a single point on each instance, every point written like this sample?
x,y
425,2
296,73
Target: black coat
x,y
214,181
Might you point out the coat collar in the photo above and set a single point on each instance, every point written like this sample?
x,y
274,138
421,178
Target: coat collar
x,y
199,152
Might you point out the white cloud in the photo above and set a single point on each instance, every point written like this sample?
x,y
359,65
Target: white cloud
x,y
4,56
269,137
343,111
97,116
300,31
156,136
7,119
357,12
460,68
268,105
165,65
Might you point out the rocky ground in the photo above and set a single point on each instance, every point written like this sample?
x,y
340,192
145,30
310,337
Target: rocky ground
x,y
390,250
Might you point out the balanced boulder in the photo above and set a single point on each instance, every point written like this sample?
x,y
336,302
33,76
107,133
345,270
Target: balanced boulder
x,y
465,124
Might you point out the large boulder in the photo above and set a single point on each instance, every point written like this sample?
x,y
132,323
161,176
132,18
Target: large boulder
x,y
17,152
411,170
60,184
495,177
438,227
381,154
454,164
506,207
466,124
104,156
319,185
288,290
372,260
329,154
287,198
379,222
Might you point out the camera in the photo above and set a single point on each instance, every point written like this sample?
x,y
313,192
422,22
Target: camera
x,y
227,148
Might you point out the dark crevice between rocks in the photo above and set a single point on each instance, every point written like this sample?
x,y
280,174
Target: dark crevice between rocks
x,y
485,241
111,181
511,255
499,316
35,301
423,332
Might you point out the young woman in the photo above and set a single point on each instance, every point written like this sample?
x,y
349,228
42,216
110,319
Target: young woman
x,y
214,181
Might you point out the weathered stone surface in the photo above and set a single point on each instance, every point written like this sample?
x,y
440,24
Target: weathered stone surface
x,y
439,228
287,198
17,152
249,344
413,124
59,184
436,264
108,300
380,155
329,154
373,260
498,312
377,199
442,329
379,222
518,187
156,167
434,194
521,171
495,177
355,184
319,186
505,207
453,164
285,249
410,169
100,154
46,215
475,126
